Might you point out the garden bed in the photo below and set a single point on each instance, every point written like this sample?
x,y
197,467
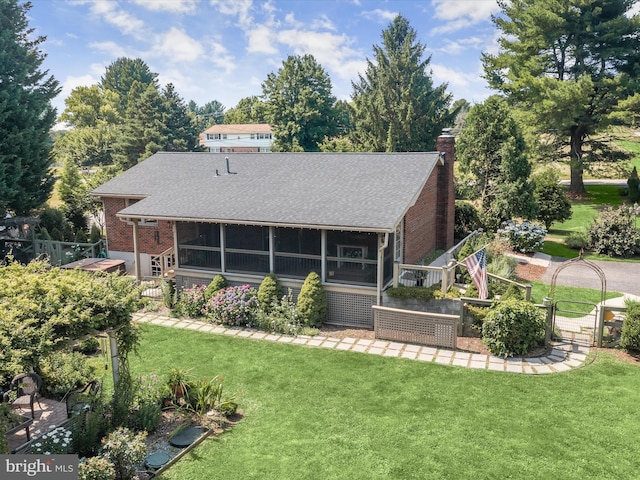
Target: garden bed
x,y
173,422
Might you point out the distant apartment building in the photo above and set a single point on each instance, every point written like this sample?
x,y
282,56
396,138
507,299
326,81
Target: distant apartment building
x,y
239,138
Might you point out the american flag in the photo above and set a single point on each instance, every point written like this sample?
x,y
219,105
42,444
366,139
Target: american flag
x,y
477,268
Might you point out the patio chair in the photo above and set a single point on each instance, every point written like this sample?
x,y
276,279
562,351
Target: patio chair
x,y
80,400
27,389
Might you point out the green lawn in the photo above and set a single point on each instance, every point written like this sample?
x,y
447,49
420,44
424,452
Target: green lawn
x,y
633,147
320,414
583,213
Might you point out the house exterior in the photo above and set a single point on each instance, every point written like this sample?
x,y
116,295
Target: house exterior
x,y
347,216
238,138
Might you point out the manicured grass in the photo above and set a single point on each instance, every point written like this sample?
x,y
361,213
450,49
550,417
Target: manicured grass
x,y
316,413
585,210
584,296
633,147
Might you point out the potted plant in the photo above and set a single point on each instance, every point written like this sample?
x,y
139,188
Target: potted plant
x,y
178,381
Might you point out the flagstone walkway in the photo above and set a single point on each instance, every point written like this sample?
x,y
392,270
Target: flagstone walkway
x,y
563,356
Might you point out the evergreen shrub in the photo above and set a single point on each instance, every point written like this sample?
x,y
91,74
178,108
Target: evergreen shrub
x,y
630,334
269,292
312,301
513,327
218,283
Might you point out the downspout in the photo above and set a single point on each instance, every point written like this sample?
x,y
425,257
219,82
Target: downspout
x,y
381,249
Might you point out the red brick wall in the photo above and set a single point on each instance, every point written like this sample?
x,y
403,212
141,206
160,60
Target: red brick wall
x,y
151,240
428,224
419,223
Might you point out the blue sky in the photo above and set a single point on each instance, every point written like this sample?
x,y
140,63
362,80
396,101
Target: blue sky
x,y
224,49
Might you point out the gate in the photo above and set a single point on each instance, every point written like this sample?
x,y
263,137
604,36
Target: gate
x,y
576,320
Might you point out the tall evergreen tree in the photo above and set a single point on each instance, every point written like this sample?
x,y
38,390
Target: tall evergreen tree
x,y
491,154
211,113
143,131
120,76
566,63
26,115
396,107
179,126
299,104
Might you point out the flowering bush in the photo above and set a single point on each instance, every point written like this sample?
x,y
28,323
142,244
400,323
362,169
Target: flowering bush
x,y
614,232
524,237
56,441
233,306
192,301
125,450
282,316
96,468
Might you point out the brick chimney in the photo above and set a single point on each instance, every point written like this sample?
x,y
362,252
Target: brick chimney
x,y
445,203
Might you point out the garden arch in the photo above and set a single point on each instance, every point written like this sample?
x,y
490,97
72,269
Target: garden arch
x,y
569,317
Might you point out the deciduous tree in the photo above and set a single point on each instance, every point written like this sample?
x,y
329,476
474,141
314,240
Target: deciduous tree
x,y
248,110
299,104
26,114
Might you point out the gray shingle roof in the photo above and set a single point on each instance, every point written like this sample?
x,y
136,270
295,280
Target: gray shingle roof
x,y
369,191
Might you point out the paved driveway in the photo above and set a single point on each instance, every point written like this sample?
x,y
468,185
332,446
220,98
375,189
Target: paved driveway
x,y
620,276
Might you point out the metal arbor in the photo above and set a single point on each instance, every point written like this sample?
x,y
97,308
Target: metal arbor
x,y
576,324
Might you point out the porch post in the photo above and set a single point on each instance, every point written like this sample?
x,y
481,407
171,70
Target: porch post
x,y
383,242
223,266
323,255
272,250
136,251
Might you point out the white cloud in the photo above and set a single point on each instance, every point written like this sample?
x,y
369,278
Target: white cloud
x,y
110,12
177,6
455,47
236,8
380,15
220,57
113,49
323,23
461,14
331,51
177,46
261,39
463,84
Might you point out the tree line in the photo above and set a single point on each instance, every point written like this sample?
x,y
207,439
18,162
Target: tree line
x,y
563,71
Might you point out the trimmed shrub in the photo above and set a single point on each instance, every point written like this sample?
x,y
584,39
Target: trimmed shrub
x,y
513,327
614,232
512,291
630,334
218,283
312,301
95,234
577,240
269,292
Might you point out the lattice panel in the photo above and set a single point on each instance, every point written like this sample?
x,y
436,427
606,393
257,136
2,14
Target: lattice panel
x,y
415,327
350,309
